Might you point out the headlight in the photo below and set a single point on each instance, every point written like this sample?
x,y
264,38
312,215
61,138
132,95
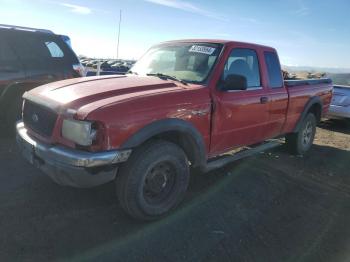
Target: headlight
x,y
80,132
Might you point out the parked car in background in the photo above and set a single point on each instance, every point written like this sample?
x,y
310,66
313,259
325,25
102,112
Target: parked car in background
x,y
340,105
185,104
29,58
107,66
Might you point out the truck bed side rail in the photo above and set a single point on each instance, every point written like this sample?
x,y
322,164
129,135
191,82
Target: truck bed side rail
x,y
292,83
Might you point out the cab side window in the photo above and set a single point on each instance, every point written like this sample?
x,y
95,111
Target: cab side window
x,y
273,70
243,64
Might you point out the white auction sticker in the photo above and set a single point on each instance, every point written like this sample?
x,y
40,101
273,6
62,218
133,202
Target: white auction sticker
x,y
202,49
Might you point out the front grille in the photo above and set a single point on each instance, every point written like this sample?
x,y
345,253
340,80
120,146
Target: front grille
x,y
38,118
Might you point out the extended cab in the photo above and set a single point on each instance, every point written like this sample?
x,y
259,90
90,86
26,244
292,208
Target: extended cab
x,y
185,104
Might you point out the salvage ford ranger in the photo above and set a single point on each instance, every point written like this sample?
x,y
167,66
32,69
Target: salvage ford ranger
x,y
190,104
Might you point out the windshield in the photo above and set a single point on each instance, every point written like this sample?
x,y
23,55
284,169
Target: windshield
x,y
189,62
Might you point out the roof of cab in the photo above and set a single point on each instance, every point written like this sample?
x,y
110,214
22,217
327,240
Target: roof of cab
x,y
219,41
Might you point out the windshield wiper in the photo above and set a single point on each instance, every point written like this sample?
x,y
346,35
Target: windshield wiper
x,y
163,76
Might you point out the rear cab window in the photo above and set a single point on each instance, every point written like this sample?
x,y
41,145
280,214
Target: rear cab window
x,y
273,70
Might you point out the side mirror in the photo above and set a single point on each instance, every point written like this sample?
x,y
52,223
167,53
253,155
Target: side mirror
x,y
235,82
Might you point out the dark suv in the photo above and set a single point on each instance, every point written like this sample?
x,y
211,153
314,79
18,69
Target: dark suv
x,y
30,58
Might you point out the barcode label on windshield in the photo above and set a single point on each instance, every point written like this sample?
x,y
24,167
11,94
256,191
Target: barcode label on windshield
x,y
202,49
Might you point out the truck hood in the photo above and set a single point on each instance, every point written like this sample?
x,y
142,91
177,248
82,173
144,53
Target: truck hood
x,y
94,92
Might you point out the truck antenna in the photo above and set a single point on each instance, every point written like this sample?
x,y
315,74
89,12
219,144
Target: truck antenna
x,y
120,21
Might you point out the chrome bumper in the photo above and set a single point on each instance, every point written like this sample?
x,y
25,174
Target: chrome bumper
x,y
68,166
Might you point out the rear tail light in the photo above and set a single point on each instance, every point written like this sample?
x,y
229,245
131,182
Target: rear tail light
x,y
79,69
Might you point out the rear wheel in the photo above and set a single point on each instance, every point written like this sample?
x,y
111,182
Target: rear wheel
x,y
153,181
299,143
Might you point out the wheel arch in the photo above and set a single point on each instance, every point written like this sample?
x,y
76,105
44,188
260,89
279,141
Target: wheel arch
x,y
177,131
314,105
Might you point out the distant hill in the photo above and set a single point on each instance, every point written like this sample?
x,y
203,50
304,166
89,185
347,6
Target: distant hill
x,y
294,69
340,79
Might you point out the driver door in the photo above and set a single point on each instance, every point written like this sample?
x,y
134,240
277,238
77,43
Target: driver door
x,y
240,116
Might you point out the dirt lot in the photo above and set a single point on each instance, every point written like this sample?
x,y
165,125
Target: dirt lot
x,y
271,207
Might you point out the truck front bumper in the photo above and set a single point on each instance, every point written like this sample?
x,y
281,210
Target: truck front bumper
x,y
67,166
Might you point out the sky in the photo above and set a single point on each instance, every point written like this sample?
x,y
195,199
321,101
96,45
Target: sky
x,y
305,32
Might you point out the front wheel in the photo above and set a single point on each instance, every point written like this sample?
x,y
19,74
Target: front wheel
x,y
299,143
153,181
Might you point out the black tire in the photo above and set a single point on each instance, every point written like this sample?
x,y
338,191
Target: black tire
x,y
299,143
347,122
156,166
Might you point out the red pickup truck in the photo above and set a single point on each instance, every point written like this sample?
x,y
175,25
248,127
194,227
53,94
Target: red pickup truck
x,y
185,104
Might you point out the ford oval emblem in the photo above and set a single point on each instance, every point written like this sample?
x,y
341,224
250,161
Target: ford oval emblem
x,y
35,118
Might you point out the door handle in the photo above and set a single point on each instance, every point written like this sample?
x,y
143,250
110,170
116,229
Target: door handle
x,y
264,99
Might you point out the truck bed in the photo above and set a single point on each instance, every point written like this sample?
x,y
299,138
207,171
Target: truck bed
x,y
300,92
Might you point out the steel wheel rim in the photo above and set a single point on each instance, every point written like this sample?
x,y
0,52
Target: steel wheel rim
x,y
159,182
307,134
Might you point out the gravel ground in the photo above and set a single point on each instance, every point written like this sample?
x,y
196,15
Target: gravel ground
x,y
270,207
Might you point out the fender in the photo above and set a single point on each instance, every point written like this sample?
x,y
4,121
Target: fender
x,y
312,101
167,125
